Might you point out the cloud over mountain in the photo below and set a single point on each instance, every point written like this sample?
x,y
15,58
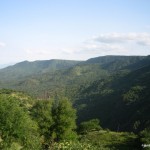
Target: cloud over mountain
x,y
138,38
117,43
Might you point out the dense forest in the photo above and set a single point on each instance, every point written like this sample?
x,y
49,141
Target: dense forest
x,y
99,104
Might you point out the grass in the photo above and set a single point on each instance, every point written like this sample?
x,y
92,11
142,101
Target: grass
x,y
112,140
101,140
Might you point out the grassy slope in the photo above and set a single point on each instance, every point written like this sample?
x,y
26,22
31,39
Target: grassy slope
x,y
112,140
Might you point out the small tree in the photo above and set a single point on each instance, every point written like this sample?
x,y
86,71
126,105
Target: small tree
x,y
145,138
90,125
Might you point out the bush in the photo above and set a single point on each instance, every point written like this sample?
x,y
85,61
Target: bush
x,y
90,125
145,139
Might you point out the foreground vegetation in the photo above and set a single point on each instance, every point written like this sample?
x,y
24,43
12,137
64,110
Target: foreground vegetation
x,y
29,124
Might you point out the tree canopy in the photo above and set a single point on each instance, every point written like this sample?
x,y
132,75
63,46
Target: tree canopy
x,y
16,126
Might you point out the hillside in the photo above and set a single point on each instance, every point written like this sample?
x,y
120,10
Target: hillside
x,y
43,76
121,101
27,68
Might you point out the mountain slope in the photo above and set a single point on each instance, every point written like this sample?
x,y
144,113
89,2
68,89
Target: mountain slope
x,y
57,81
120,102
114,63
27,68
39,77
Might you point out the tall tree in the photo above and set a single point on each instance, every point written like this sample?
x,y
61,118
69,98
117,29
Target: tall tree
x,y
64,117
42,114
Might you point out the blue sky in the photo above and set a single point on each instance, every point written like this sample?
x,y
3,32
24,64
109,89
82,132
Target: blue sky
x,y
73,29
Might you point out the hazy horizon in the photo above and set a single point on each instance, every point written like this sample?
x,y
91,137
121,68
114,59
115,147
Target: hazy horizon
x,y
73,30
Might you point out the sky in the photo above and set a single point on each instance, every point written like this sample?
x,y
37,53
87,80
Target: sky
x,y
72,29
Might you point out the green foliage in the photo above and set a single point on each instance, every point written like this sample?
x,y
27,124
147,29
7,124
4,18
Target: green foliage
x,y
75,145
6,91
52,121
22,99
16,127
56,120
64,117
145,138
42,114
133,94
111,140
90,125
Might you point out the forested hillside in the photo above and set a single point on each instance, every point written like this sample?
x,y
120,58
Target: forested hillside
x,y
26,68
48,77
120,101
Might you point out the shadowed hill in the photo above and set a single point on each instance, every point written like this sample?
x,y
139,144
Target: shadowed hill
x,y
121,102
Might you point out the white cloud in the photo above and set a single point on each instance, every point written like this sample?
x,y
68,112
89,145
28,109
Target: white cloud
x,y
104,44
102,49
116,44
2,44
138,38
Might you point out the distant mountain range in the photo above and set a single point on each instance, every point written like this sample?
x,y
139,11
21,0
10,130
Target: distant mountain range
x,y
115,89
26,68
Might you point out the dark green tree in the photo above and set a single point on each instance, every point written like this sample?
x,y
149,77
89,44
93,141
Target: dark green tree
x,y
133,94
41,112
